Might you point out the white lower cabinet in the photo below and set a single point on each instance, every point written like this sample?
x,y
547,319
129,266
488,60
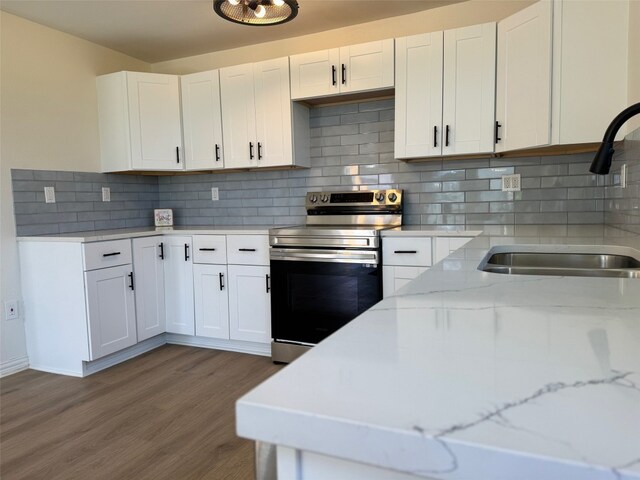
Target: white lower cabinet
x,y
249,303
211,301
445,246
111,310
394,277
403,259
178,284
148,268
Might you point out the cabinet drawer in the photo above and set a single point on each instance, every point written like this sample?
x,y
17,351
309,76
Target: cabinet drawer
x,y
106,254
414,251
248,249
210,249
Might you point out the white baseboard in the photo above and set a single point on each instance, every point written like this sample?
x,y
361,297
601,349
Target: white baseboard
x,y
123,355
263,349
57,371
14,366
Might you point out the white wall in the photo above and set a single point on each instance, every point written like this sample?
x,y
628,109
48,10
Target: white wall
x,y
48,121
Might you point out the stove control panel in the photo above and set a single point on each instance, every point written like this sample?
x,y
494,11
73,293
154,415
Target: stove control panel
x,y
370,198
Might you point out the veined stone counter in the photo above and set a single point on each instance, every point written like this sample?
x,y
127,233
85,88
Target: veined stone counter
x,y
470,375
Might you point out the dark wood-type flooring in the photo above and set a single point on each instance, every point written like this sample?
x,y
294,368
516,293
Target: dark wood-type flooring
x,y
168,414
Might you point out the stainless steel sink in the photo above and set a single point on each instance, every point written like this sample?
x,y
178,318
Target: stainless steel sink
x,y
563,264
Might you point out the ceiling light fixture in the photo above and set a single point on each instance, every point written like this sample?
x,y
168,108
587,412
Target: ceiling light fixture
x,y
257,12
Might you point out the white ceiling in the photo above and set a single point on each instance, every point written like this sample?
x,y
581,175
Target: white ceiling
x,y
158,30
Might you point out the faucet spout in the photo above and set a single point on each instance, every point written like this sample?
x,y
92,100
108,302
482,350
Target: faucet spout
x,y
602,159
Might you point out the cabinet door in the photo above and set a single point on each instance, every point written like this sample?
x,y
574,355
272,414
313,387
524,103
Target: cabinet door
x,y
178,285
368,66
315,74
249,303
418,116
395,277
273,113
468,111
111,310
238,116
523,91
148,269
154,115
202,121
211,301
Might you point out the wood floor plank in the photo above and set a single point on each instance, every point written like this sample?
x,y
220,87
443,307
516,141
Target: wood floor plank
x,y
168,414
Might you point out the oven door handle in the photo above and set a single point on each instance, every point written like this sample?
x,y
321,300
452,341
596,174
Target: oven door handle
x,y
327,256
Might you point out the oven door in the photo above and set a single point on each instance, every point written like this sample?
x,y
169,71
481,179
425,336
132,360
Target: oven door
x,y
316,292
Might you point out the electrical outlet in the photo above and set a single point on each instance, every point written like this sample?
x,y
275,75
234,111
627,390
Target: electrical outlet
x,y
214,194
511,183
49,195
106,194
11,310
623,176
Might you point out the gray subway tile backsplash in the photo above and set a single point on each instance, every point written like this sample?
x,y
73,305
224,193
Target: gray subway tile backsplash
x,y
351,149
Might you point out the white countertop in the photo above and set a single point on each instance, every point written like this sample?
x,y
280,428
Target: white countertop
x,y
101,235
476,376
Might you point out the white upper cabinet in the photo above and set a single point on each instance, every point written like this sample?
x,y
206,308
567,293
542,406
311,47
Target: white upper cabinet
x,y
590,61
139,120
261,126
418,115
523,102
356,68
202,121
445,92
468,111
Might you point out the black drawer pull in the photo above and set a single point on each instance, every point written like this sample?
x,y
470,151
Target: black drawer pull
x,y
110,254
259,151
334,80
186,252
497,132
207,249
435,136
246,249
162,250
344,74
217,152
221,280
250,150
131,280
405,251
177,154
446,136
268,283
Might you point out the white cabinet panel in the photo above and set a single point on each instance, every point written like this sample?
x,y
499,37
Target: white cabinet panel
x,y
410,251
211,301
178,283
445,246
148,268
210,249
523,91
249,303
367,66
111,310
202,121
106,254
396,277
248,249
418,104
469,89
315,74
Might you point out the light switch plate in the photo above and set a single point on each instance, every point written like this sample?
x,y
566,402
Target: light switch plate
x,y
214,194
511,183
49,195
106,194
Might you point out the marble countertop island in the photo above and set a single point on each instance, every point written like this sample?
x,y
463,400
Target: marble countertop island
x,y
477,376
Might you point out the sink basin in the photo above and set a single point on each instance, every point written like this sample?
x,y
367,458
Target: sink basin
x,y
561,263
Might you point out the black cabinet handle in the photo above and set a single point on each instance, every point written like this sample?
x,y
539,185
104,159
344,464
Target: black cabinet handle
x,y
435,136
250,150
162,250
446,136
217,152
268,282
344,74
131,280
207,249
246,249
177,154
186,252
259,150
334,80
221,280
497,132
405,251
110,254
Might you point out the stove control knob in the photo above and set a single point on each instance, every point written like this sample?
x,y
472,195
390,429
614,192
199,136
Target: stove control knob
x,y
313,198
393,197
324,198
380,196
